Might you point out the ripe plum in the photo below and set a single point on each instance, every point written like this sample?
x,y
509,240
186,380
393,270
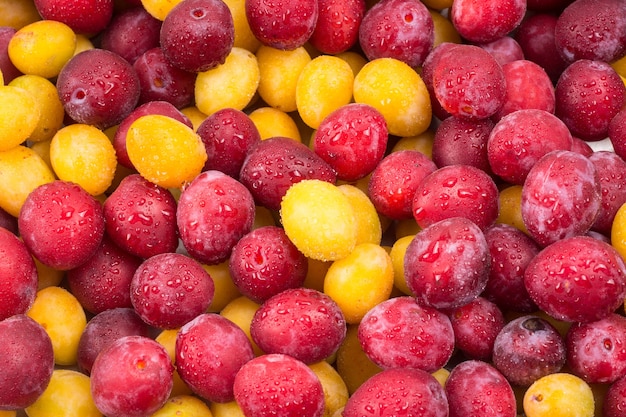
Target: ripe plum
x,y
131,33
485,21
461,141
87,17
337,26
617,133
611,170
504,50
18,276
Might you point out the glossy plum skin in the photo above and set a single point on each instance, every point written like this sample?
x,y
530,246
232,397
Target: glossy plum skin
x,y
160,80
265,262
98,87
400,29
206,366
468,82
276,163
611,170
228,135
588,95
504,50
9,71
401,392
27,361
576,268
477,389
103,329
560,197
592,29
300,322
527,349
61,224
617,133
352,140
132,377
427,76
337,26
141,217
18,276
297,19
170,289
486,21
83,16
615,399
131,33
460,141
195,24
476,326
103,282
511,251
446,265
394,181
456,191
214,212
400,333
523,137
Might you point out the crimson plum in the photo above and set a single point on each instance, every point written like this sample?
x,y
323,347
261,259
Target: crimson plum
x,y
8,222
560,197
103,329
131,33
548,5
297,21
477,389
401,333
612,176
485,21
596,351
394,181
141,217
131,377
617,133
265,262
27,361
400,29
275,164
18,276
337,26
170,289
615,399
352,140
456,191
228,135
574,269
98,87
522,138
87,17
190,26
446,265
468,82
9,71
210,350
61,224
504,50
277,384
528,348
401,392
459,141
103,282
301,322
214,212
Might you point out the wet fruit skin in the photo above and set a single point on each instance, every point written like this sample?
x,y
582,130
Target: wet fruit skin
x,y
131,33
486,21
337,26
18,276
83,16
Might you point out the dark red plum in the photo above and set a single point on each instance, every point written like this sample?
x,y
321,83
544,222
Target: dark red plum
x,y
297,22
400,29
615,399
159,80
141,217
214,212
131,33
265,386
485,21
18,276
548,5
8,221
446,265
337,26
275,164
210,351
427,76
527,349
265,262
394,181
228,135
574,269
611,169
617,133
61,224
460,141
401,333
190,26
87,17
105,328
98,87
504,50
103,282
300,322
170,289
402,392
131,377
9,71
27,361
